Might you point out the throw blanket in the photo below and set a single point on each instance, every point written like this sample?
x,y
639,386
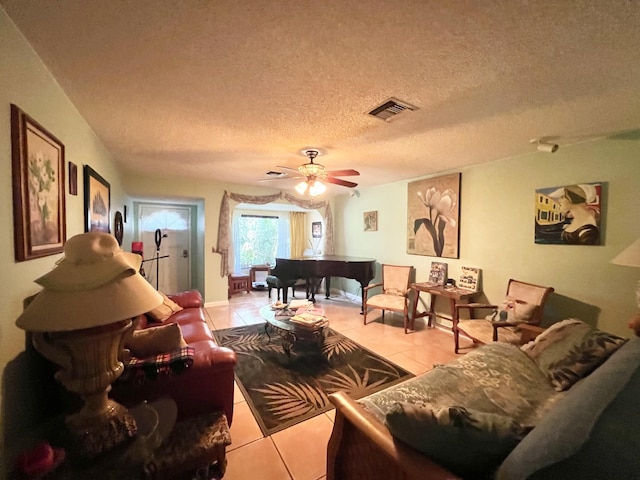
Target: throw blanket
x,y
497,378
141,370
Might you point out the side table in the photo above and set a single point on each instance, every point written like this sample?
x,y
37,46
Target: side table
x,y
196,445
239,282
263,280
125,462
454,294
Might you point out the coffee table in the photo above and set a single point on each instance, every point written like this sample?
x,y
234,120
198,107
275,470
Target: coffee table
x,y
279,321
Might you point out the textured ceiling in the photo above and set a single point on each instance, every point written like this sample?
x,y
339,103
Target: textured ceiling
x,y
228,90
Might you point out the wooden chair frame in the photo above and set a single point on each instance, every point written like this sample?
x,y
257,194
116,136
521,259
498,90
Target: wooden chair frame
x,y
540,293
406,289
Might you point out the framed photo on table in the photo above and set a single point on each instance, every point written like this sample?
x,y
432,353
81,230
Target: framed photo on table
x,y
38,188
97,201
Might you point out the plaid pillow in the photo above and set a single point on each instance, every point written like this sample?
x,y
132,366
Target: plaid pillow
x,y
141,370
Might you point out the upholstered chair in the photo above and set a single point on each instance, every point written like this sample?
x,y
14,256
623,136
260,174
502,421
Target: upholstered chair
x,y
524,304
395,292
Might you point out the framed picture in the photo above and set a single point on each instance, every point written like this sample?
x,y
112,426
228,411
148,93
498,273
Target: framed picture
x,y
469,278
371,221
39,221
73,179
316,229
569,215
438,273
433,216
97,201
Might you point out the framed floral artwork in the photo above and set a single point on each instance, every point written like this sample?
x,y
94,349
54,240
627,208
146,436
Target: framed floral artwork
x,y
39,221
97,201
433,216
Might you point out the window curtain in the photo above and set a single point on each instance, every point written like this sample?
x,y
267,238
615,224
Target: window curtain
x,y
284,243
224,221
297,222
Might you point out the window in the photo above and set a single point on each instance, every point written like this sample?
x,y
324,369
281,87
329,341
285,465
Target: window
x,y
259,239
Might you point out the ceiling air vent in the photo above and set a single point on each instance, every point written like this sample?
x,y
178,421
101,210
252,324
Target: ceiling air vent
x,y
271,173
390,109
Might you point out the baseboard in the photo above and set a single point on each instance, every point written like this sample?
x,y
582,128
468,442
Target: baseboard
x,y
221,303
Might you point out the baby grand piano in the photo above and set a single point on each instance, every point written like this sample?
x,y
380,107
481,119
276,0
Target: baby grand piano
x,y
313,269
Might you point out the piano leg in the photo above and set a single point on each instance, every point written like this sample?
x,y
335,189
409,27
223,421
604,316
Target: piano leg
x,y
362,285
312,286
327,286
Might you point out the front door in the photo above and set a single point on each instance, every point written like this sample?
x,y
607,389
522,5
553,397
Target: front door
x,y
166,235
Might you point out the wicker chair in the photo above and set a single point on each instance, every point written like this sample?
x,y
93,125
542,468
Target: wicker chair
x,y
524,304
395,292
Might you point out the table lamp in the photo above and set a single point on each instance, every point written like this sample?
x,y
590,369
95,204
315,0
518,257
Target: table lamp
x,y
79,320
630,257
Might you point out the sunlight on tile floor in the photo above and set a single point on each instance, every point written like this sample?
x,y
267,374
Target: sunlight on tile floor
x,y
299,452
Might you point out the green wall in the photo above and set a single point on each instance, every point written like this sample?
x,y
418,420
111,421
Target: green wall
x,y
497,230
26,82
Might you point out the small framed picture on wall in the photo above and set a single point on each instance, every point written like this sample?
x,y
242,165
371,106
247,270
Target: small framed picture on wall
x,y
316,229
371,221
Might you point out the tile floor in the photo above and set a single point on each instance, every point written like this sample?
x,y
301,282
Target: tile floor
x,y
299,452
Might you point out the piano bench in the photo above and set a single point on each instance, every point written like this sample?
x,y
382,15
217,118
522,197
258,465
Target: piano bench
x,y
275,282
239,283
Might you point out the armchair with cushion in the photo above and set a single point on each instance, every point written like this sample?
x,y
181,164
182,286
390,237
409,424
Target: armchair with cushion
x,y
524,304
395,292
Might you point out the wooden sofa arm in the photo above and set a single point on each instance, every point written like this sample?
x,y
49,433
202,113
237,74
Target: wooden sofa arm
x,y
362,447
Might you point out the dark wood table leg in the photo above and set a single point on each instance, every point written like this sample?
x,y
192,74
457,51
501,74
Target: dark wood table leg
x,y
453,309
415,308
432,311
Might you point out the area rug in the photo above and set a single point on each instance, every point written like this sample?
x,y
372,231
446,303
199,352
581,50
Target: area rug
x,y
283,392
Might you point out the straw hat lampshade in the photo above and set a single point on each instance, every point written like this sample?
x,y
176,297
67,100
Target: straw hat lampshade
x,y
79,320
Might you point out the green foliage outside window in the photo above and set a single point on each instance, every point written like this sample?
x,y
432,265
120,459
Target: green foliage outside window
x,y
258,240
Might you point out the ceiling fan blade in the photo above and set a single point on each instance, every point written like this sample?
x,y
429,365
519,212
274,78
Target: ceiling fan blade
x,y
343,173
283,177
289,168
339,181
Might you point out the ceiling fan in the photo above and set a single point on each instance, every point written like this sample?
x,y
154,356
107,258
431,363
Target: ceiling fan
x,y
315,174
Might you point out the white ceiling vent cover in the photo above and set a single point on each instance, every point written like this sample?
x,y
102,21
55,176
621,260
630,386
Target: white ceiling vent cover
x,y
390,109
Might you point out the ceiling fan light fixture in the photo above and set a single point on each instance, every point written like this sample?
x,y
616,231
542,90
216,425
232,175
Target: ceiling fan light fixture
x,y
316,188
311,169
301,187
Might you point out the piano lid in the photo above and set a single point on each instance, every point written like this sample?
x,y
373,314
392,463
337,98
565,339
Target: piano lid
x,y
330,258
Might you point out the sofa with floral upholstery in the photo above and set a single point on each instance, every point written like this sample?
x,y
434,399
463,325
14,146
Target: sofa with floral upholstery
x,y
561,406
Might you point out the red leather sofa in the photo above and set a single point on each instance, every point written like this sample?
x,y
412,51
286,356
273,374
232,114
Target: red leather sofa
x,y
207,385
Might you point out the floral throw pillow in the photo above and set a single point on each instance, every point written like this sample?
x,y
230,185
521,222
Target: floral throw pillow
x,y
570,350
513,310
466,441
